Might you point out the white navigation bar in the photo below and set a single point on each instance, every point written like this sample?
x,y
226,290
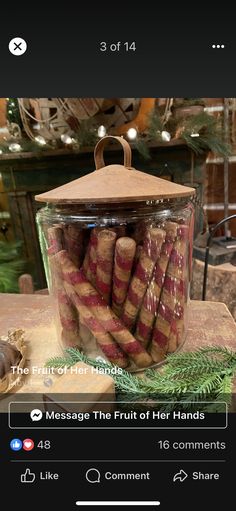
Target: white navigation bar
x,y
118,503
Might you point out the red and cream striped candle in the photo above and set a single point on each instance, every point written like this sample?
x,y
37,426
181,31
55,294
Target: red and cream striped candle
x,y
55,240
90,259
124,257
90,297
152,296
170,309
74,243
142,275
106,240
178,324
106,342
67,313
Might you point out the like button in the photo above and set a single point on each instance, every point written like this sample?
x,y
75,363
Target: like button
x,y
16,444
27,477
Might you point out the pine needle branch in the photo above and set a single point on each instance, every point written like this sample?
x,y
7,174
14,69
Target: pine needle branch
x,y
207,372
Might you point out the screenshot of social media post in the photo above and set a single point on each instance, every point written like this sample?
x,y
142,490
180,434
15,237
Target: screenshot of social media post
x,y
117,257
117,300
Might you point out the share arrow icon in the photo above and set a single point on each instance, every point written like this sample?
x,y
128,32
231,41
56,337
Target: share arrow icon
x,y
180,476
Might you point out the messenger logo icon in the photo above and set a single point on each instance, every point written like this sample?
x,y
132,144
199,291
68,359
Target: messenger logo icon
x,y
36,414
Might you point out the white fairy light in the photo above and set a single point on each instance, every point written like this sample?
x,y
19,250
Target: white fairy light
x,y
66,139
166,136
132,133
194,134
14,147
101,131
1,151
40,140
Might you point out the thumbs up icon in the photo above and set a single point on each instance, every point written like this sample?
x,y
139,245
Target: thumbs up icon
x,y
16,444
27,477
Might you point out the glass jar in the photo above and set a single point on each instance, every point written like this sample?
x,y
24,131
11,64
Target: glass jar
x,y
119,270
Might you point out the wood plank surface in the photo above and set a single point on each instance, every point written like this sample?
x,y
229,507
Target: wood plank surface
x,y
209,323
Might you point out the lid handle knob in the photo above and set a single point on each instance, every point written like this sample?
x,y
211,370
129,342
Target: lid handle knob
x,y
98,151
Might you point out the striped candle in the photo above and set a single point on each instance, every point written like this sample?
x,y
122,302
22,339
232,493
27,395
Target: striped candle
x,y
106,342
106,317
142,275
124,256
152,296
171,302
106,240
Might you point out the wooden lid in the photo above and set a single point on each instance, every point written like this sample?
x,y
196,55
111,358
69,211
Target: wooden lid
x,y
114,183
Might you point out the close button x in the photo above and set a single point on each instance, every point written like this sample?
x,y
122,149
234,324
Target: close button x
x,y
17,46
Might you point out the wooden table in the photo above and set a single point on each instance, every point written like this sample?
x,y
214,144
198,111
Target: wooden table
x,y
209,323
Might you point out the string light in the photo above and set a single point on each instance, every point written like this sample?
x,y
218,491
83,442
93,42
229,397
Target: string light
x,y
41,140
194,134
166,136
132,133
1,151
101,131
66,139
15,148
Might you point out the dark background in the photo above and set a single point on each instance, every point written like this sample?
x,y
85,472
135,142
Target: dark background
x,y
174,57
174,54
122,452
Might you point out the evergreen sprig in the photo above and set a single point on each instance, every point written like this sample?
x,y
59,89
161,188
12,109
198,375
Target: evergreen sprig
x,y
142,147
207,129
206,373
155,125
152,134
86,134
11,266
209,133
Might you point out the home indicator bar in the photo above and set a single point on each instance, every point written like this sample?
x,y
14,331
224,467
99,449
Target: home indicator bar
x,y
116,503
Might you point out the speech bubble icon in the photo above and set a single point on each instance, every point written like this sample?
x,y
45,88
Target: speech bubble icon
x,y
93,475
36,414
